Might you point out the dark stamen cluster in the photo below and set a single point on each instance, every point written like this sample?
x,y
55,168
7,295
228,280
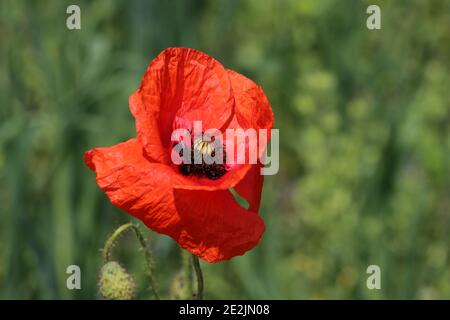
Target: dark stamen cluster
x,y
198,150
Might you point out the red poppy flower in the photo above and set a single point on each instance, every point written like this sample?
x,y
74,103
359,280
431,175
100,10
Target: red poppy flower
x,y
194,204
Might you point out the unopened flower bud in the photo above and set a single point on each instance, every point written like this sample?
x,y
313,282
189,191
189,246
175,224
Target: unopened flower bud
x,y
115,283
179,289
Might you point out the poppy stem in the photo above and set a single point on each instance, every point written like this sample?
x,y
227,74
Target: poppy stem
x,y
199,275
148,255
187,270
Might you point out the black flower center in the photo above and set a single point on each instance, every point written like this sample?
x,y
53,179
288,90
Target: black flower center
x,y
205,158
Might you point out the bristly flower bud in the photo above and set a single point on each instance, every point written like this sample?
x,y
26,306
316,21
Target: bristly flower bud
x,y
116,283
179,288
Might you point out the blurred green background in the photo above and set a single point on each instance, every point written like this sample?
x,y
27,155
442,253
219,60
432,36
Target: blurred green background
x,y
364,119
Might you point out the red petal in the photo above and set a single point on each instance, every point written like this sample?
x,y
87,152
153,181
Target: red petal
x,y
251,186
132,183
215,227
147,128
252,107
181,85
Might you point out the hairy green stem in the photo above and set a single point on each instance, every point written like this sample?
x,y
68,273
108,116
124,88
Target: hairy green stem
x,y
199,275
148,256
187,270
